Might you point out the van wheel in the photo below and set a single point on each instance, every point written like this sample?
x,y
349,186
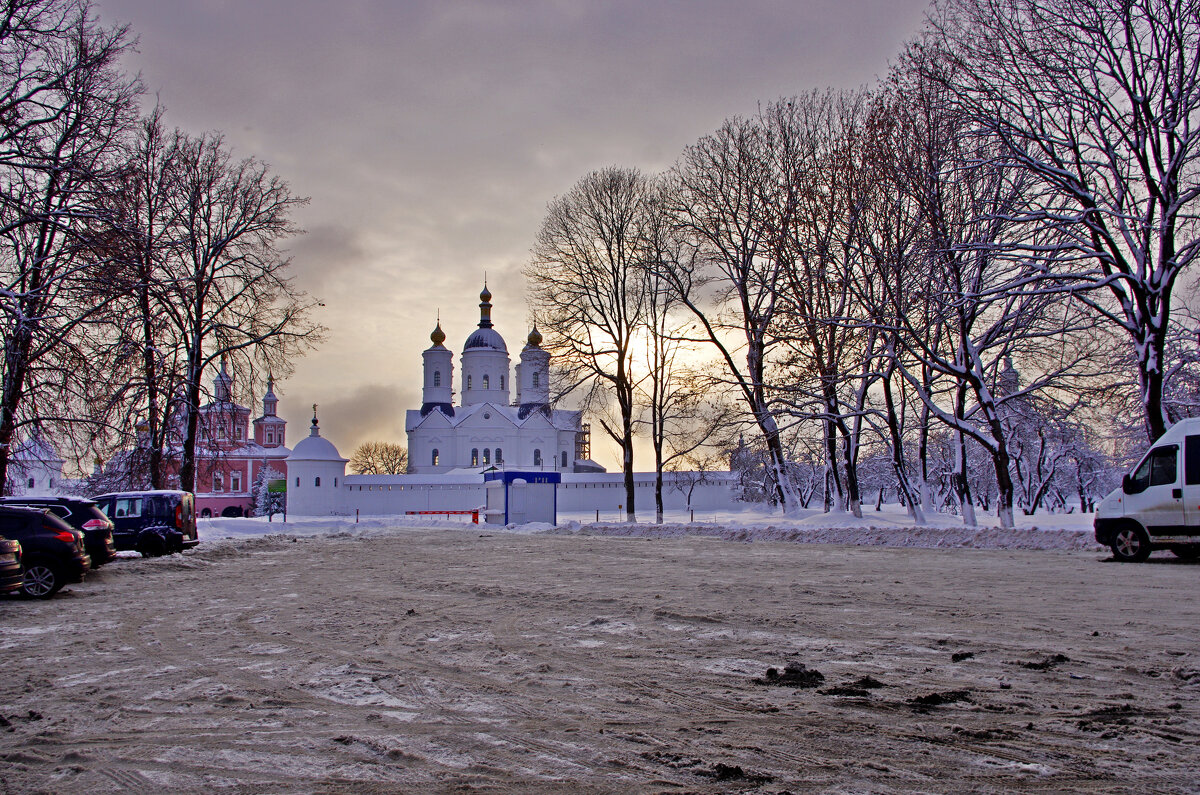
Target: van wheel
x,y
41,580
1130,544
1188,552
151,545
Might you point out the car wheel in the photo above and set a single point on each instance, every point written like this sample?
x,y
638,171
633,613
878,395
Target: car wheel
x,y
1130,544
1189,552
152,545
41,580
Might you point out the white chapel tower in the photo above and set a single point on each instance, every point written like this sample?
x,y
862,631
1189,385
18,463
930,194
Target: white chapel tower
x,y
485,363
438,391
533,376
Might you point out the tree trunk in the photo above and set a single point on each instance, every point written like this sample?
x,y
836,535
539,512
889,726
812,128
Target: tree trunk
x,y
914,504
963,485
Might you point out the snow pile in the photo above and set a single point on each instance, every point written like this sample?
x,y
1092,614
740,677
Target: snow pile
x,y
874,536
890,527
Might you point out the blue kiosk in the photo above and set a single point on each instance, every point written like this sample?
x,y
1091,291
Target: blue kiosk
x,y
517,497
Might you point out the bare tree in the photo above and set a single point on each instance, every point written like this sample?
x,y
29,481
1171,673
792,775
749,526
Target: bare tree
x,y
684,412
588,293
816,143
732,282
970,306
1098,101
379,458
229,290
145,357
63,110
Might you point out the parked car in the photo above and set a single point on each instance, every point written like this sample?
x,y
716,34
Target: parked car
x,y
151,522
81,514
1152,509
52,552
11,576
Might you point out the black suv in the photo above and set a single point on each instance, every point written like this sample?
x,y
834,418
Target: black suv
x,y
11,576
52,552
151,522
81,514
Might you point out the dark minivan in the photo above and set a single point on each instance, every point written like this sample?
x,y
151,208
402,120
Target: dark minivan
x,y
52,552
81,514
151,522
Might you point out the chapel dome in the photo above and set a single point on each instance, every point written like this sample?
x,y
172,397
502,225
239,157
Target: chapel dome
x,y
485,338
314,448
438,336
535,338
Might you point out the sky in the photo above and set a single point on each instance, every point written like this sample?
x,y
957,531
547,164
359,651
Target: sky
x,y
429,136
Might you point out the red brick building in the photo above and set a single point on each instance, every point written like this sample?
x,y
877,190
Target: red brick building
x,y
232,451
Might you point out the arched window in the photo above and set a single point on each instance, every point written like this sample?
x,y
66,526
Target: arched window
x,y
31,483
502,382
485,381
437,377
499,456
536,377
297,482
564,459
537,457
468,382
433,460
487,455
335,483
317,481
474,456
218,482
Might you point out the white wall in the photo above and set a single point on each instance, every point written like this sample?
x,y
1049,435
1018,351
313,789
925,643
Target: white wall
x,y
396,494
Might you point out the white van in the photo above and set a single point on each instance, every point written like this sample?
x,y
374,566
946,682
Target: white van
x,y
1158,503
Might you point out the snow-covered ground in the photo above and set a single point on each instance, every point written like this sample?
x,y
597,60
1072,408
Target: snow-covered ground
x,y
890,527
390,658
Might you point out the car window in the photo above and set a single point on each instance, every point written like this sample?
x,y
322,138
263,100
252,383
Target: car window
x,y
1163,468
127,506
1159,468
1191,461
60,510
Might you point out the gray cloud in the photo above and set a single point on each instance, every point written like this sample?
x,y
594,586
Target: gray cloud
x,y
430,135
368,412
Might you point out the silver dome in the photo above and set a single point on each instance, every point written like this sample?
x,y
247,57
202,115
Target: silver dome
x,y
485,338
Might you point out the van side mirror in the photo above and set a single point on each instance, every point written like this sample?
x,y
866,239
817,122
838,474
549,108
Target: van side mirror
x,y
1126,482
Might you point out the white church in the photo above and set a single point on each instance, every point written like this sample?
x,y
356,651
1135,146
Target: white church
x,y
486,428
451,447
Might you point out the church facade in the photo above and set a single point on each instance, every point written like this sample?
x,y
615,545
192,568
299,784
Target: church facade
x,y
487,428
232,450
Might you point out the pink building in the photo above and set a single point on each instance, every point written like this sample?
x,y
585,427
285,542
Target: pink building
x,y
230,453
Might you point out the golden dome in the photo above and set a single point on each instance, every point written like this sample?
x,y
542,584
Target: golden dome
x,y
535,338
438,336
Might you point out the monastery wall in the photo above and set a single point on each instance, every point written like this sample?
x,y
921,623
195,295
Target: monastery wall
x,y
382,495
